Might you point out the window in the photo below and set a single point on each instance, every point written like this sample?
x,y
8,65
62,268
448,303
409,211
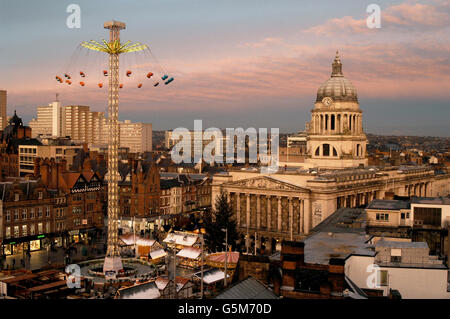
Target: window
x,y
8,216
24,214
90,207
40,212
16,231
76,209
24,230
76,198
47,211
396,259
47,227
40,228
16,197
32,232
326,150
428,215
317,151
402,215
16,214
382,278
8,232
40,195
382,216
32,215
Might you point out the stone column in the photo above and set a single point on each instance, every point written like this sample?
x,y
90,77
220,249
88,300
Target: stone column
x,y
291,219
301,204
238,208
307,215
279,214
269,213
258,211
247,220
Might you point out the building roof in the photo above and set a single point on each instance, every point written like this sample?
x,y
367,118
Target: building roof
x,y
400,244
344,220
322,246
388,204
337,86
249,288
431,200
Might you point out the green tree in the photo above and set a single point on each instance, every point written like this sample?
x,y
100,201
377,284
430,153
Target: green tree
x,y
220,218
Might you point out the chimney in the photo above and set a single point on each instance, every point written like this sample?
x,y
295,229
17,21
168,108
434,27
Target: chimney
x,y
37,168
53,174
44,173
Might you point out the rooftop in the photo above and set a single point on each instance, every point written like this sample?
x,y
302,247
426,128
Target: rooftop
x,y
322,246
249,288
387,204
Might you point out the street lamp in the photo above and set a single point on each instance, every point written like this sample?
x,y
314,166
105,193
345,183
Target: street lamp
x,y
201,283
225,230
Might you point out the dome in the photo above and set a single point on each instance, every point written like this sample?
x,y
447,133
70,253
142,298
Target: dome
x,y
337,86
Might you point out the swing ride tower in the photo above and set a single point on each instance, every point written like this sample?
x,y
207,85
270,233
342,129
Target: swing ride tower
x,y
113,262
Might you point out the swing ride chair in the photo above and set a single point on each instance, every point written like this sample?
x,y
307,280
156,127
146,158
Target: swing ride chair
x,y
117,48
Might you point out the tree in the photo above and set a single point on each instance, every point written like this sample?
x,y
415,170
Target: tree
x,y
215,221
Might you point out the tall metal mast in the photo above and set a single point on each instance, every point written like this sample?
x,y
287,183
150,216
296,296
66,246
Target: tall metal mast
x,y
113,262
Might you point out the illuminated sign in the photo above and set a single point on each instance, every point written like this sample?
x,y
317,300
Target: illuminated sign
x,y
41,236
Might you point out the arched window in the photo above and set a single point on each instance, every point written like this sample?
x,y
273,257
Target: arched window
x,y
317,151
326,121
326,149
358,149
350,123
334,152
332,122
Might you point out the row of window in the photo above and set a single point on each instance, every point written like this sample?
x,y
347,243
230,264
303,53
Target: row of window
x,y
22,231
24,214
385,216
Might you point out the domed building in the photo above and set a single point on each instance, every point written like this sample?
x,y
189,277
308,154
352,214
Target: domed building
x,y
335,134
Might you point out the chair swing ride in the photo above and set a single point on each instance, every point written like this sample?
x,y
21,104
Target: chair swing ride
x,y
140,68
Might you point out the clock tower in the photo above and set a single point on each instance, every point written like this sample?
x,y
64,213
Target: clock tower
x,y
335,134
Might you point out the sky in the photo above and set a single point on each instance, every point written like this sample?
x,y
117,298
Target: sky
x,y
237,63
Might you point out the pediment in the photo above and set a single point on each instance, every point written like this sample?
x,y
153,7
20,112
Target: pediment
x,y
265,182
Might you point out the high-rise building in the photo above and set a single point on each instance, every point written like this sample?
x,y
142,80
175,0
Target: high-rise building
x,y
3,118
48,121
136,136
85,126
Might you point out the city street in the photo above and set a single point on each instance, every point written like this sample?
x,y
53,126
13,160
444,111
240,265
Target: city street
x,y
41,258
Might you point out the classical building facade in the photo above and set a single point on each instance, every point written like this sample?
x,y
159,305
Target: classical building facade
x,y
287,204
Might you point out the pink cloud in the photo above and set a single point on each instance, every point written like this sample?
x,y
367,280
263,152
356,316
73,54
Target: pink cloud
x,y
411,15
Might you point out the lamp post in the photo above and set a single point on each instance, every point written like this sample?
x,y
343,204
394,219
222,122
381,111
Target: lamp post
x,y
226,255
201,283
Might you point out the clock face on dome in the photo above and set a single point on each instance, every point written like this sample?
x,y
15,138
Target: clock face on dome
x,y
327,101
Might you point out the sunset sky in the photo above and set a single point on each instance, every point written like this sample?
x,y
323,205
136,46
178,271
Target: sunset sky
x,y
249,63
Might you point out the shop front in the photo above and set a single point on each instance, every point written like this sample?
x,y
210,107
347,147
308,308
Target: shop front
x,y
14,246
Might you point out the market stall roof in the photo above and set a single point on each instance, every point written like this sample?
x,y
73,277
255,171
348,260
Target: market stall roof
x,y
162,283
181,238
129,240
147,290
232,257
213,275
190,252
157,253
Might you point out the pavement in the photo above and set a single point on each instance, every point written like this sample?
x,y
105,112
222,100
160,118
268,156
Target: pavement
x,y
41,258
